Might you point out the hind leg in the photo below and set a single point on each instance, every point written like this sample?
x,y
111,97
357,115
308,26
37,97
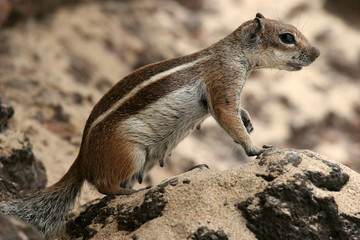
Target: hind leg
x,y
113,164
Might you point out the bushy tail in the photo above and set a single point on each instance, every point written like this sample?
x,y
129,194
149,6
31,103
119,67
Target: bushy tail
x,y
47,210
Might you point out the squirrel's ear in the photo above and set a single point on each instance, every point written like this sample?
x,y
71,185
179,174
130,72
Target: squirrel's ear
x,y
259,25
259,15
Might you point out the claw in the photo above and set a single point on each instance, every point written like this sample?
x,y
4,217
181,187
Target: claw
x,y
200,166
268,146
140,178
257,151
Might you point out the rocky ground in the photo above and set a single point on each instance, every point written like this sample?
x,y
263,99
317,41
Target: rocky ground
x,y
55,65
285,194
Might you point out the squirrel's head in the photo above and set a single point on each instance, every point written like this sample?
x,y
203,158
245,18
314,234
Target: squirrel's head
x,y
273,44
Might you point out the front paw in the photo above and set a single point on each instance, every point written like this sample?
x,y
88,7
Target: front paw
x,y
256,151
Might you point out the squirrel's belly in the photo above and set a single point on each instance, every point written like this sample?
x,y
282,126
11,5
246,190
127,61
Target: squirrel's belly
x,y
167,121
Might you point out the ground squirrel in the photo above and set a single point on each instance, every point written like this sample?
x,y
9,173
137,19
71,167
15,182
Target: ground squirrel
x,y
141,119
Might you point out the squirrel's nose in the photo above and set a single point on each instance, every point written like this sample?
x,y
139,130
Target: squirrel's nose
x,y
315,53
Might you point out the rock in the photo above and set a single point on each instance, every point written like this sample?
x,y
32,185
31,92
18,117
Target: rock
x,y
347,10
8,190
344,66
13,10
284,194
19,170
11,229
194,5
18,164
6,112
80,69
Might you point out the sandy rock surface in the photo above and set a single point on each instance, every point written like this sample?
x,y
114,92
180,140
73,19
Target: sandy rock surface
x,y
284,194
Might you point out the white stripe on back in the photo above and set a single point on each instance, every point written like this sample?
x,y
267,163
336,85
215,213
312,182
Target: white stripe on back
x,y
140,86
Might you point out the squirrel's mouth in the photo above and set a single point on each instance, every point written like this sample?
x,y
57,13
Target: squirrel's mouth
x,y
294,66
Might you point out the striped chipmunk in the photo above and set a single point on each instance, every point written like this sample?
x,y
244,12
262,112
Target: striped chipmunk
x,y
141,119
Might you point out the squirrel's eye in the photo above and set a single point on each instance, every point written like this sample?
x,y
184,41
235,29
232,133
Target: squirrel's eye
x,y
287,38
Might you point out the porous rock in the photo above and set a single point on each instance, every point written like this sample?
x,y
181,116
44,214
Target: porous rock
x,y
8,190
19,170
283,194
12,11
6,112
17,162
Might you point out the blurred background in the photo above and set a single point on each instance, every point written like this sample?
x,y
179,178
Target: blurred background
x,y
58,57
